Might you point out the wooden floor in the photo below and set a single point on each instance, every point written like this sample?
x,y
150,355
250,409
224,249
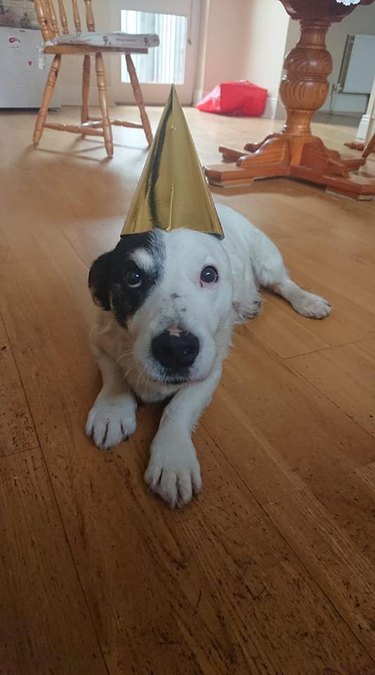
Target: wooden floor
x,y
272,569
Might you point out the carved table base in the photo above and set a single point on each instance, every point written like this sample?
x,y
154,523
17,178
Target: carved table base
x,y
295,152
304,158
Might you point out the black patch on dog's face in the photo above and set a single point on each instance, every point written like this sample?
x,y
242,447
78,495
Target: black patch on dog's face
x,y
110,273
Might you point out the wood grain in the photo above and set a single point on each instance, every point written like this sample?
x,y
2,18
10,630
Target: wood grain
x,y
125,544
271,569
346,375
16,427
45,623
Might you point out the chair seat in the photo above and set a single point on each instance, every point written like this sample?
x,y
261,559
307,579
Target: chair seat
x,y
97,40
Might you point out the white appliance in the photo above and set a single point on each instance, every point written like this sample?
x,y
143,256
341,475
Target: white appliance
x,y
21,81
358,65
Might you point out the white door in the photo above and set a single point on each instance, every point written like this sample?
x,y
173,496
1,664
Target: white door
x,y
174,61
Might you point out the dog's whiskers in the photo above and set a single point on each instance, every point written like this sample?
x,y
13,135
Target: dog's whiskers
x,y
127,373
142,377
124,355
140,374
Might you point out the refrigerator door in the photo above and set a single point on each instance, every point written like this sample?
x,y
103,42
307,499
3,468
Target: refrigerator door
x,y
21,81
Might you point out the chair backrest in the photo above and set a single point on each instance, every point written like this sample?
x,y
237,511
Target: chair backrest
x,y
48,21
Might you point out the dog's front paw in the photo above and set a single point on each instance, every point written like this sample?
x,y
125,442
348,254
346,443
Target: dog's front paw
x,y
111,420
173,472
311,305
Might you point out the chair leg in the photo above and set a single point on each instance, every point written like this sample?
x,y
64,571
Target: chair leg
x,y
47,95
139,98
85,88
102,89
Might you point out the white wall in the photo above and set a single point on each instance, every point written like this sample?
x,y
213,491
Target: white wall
x,y
267,23
245,39
234,45
224,43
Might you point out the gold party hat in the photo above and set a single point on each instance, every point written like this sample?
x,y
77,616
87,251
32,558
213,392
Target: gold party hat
x,y
172,191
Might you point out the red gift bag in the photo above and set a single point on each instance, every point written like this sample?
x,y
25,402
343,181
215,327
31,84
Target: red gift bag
x,y
240,98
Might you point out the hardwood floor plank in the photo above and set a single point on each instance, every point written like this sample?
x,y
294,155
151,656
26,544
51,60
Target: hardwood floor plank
x,y
354,280
330,557
349,499
302,214
45,624
29,230
311,432
271,569
292,443
16,427
290,334
189,565
208,573
367,474
333,480
281,572
324,232
346,375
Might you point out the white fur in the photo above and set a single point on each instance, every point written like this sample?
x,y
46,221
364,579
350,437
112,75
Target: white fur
x,y
246,260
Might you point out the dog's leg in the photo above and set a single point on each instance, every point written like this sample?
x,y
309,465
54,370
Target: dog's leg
x,y
112,417
271,273
173,471
305,303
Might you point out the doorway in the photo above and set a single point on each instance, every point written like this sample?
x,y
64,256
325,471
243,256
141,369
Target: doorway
x,y
174,61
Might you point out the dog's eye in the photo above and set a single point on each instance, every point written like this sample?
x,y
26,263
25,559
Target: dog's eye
x,y
133,278
209,275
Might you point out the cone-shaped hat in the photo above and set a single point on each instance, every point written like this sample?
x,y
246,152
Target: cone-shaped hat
x,y
172,191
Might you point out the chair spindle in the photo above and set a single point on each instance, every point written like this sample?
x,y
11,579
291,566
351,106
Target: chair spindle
x,y
50,24
76,16
52,17
85,88
90,23
63,19
44,20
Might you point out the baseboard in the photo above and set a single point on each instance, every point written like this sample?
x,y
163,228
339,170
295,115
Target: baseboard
x,y
198,94
363,126
271,107
280,112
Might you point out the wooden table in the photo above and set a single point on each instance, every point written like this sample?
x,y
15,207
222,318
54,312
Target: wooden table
x,y
294,151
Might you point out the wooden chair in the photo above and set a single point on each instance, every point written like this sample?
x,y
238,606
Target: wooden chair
x,y
86,45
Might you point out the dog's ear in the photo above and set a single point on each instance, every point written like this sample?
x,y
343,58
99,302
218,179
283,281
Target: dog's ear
x,y
99,280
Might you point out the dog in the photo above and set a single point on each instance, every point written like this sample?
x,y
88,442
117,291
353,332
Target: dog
x,y
168,302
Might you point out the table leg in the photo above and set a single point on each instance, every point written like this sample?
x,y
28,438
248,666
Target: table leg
x,y
295,152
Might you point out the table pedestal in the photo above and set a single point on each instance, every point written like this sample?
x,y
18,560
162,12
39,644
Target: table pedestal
x,y
295,152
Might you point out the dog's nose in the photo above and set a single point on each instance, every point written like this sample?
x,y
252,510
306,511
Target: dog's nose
x,y
175,348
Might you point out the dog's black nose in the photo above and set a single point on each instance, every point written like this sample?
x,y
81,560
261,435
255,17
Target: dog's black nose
x,y
175,348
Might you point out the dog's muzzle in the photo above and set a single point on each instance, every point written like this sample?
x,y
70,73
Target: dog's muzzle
x,y
175,350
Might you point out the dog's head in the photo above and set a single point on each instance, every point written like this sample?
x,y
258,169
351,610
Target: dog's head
x,y
172,293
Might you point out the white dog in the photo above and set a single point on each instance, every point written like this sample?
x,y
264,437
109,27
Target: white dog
x,y
168,303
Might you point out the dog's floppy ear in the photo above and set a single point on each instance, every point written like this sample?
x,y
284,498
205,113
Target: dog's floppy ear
x,y
99,281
